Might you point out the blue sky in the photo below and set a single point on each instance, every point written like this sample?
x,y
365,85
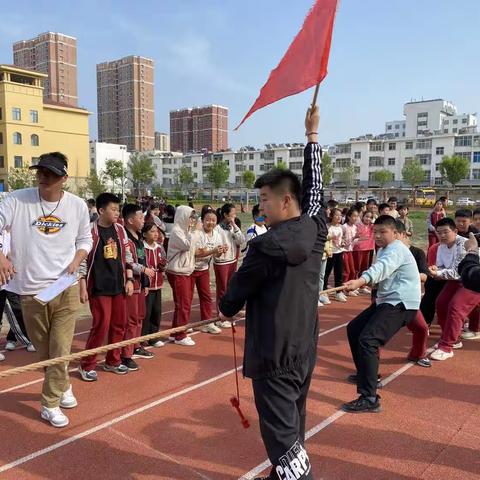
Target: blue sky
x,y
384,53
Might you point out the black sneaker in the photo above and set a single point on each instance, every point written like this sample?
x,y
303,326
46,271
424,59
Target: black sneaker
x,y
130,364
140,352
362,405
354,378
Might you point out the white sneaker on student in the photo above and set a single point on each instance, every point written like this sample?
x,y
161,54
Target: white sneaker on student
x,y
440,355
10,345
211,328
55,416
31,348
325,300
340,297
68,400
457,345
2,357
319,303
186,342
352,293
190,330
225,324
365,291
158,344
469,335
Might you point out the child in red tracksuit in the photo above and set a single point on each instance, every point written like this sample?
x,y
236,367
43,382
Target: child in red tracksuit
x,y
107,280
349,229
435,215
364,246
156,259
134,220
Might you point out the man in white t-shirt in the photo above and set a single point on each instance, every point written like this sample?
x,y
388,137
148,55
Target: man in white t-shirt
x,y
50,237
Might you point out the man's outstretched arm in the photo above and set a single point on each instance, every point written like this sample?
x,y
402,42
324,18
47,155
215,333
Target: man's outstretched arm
x,y
312,183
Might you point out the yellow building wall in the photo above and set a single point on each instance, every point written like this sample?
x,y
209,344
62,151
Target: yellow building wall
x,y
59,128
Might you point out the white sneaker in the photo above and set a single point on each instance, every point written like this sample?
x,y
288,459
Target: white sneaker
x,y
319,304
457,345
190,330
2,357
225,324
68,400
325,300
158,344
440,355
31,348
469,335
365,291
171,338
352,293
55,416
340,297
10,345
211,328
186,342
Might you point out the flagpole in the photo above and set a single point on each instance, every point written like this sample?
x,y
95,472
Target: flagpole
x,y
315,94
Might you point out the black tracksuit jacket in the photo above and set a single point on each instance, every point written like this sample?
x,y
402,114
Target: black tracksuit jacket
x,y
279,282
469,270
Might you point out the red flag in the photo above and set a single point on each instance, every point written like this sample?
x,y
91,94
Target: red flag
x,y
305,63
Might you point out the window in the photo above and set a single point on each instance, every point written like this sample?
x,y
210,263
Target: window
x,y
17,138
439,151
34,116
296,165
35,161
424,158
2,161
16,113
357,155
466,155
424,144
446,122
391,162
454,130
18,161
422,124
239,167
0,113
422,115
455,121
376,147
195,164
295,152
445,130
475,174
251,156
1,138
464,120
34,140
251,168
463,141
389,127
428,175
342,162
408,145
476,157
396,135
345,148
392,146
397,127
375,162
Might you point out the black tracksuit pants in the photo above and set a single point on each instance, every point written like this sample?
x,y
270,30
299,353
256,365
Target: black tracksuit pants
x,y
372,329
153,314
15,317
335,263
281,406
432,291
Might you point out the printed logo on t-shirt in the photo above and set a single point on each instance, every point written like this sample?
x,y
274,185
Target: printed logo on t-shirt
x,y
294,465
110,250
49,224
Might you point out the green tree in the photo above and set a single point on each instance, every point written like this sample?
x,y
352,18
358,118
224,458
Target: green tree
x,y
141,171
413,174
348,176
95,184
454,169
185,176
382,177
327,169
248,178
217,175
281,165
21,178
114,170
158,191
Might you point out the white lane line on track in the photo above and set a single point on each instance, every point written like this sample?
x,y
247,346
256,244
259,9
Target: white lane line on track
x,y
102,426
328,421
38,380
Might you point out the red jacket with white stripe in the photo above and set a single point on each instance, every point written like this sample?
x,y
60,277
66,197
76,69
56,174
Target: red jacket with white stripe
x,y
156,260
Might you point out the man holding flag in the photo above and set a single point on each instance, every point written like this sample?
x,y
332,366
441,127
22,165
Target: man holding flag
x,y
278,279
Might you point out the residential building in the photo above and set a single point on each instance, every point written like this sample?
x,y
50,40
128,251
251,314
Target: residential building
x,y
199,129
395,128
429,136
125,103
100,152
55,55
162,141
30,126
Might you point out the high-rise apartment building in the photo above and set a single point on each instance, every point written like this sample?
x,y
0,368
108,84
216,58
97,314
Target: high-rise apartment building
x,y
125,103
55,55
199,128
162,141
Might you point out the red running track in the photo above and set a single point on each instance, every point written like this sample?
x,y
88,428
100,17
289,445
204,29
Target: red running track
x,y
173,420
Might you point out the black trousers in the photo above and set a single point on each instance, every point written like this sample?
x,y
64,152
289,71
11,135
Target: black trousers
x,y
373,328
15,317
153,315
335,263
432,291
281,406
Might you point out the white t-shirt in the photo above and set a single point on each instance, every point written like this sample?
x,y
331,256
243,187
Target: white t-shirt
x,y
43,247
209,242
335,232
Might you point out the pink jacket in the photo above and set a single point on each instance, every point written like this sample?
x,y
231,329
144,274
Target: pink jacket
x,y
364,231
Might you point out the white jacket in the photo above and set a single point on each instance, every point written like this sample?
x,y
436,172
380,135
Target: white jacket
x,y
182,244
234,238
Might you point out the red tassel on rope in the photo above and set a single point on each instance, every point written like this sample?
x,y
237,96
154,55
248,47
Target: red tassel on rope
x,y
235,401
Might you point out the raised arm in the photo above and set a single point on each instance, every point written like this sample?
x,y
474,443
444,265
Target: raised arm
x,y
312,183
